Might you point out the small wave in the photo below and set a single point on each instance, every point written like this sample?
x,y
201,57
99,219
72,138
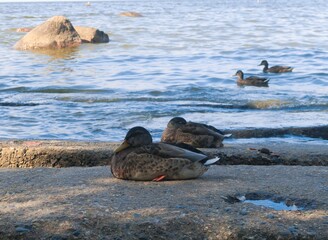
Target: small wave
x,y
66,90
14,104
54,90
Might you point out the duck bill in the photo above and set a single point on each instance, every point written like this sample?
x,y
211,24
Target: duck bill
x,y
123,146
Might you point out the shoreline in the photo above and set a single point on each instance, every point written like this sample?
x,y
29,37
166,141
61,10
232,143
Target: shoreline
x,y
56,153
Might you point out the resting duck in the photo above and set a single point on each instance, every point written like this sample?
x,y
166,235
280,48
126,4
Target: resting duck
x,y
138,158
274,69
198,135
251,81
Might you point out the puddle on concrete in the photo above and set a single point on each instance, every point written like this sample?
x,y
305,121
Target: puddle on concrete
x,y
279,206
268,200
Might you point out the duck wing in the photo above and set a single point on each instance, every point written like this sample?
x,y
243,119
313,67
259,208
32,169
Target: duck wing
x,y
186,146
165,150
201,129
280,69
253,80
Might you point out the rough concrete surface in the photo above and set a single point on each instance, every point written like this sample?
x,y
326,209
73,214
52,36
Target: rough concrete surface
x,y
52,153
88,203
41,200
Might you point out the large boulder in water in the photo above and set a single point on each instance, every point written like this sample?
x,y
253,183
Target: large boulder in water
x,y
92,35
57,32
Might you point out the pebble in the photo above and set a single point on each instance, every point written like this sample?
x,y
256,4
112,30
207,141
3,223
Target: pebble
x,y
228,209
293,229
270,215
76,233
243,212
57,237
22,229
137,215
311,233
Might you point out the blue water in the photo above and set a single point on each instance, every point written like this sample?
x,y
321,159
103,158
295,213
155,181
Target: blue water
x,y
279,206
176,60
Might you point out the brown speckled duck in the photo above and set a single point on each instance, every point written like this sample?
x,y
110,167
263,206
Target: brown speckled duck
x,y
138,158
198,135
274,69
251,81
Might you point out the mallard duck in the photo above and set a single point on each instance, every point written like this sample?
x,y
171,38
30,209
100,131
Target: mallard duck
x,y
251,81
274,69
199,135
138,158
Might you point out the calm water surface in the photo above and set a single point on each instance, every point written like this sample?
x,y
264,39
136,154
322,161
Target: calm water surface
x,y
177,60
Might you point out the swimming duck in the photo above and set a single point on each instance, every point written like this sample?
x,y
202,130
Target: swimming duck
x,y
138,158
274,69
251,81
199,135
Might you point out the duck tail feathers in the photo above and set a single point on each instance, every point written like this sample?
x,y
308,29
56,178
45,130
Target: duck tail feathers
x,y
211,161
227,135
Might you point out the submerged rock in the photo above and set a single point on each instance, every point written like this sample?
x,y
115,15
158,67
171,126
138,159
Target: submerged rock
x,y
57,32
130,14
24,29
92,35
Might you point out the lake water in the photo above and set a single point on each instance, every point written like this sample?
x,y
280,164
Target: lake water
x,y
176,60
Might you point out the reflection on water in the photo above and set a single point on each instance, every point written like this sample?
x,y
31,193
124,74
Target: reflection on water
x,y
177,60
279,206
64,53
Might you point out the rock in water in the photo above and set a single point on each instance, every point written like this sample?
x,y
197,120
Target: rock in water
x,y
130,14
92,35
24,29
57,32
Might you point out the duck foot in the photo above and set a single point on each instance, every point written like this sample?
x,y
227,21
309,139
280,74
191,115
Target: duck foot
x,y
158,179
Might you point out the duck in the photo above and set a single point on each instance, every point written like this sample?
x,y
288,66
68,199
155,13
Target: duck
x,y
251,81
198,135
274,69
138,158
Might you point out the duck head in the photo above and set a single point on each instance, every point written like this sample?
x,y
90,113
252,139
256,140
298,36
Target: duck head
x,y
177,121
264,63
136,137
239,74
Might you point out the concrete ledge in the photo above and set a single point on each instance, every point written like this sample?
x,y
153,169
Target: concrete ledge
x,y
27,154
312,132
88,203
